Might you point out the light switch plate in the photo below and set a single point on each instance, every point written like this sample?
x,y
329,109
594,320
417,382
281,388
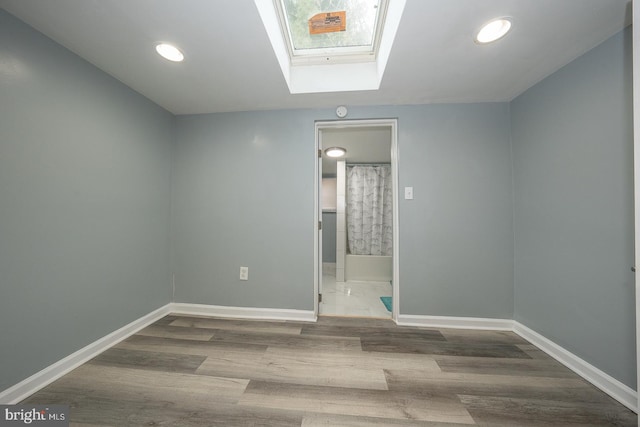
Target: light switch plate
x,y
408,193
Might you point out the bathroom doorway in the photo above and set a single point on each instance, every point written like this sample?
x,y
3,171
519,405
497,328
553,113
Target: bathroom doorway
x,y
356,207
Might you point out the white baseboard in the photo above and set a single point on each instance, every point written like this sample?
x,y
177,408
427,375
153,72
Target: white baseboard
x,y
243,312
614,388
40,379
455,322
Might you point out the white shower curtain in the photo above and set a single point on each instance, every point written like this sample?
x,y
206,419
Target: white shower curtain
x,y
369,210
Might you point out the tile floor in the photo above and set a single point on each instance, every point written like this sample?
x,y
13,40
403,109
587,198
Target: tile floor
x,y
352,298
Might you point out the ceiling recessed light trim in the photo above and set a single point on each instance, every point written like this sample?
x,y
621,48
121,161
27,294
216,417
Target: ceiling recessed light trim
x,y
335,152
493,30
169,52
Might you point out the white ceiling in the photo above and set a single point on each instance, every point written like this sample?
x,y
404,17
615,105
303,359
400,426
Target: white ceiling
x,y
363,144
230,64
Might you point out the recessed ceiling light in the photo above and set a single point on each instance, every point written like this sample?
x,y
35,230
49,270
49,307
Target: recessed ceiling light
x,y
493,30
335,152
169,52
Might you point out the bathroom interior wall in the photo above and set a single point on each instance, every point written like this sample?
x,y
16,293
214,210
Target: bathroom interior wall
x,y
329,200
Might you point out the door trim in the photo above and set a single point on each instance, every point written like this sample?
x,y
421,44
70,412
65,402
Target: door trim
x,y
636,165
317,264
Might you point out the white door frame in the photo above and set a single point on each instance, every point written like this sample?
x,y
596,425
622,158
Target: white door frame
x,y
317,264
636,162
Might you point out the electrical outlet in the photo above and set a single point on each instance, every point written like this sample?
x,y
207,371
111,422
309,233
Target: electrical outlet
x,y
244,273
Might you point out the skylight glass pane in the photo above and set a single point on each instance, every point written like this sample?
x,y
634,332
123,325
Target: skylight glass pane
x,y
361,22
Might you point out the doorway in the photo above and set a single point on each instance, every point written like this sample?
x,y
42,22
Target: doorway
x,y
356,275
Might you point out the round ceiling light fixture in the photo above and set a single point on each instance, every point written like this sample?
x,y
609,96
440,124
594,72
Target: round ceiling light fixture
x,y
170,52
335,152
493,30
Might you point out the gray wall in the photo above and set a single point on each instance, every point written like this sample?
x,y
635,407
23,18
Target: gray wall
x,y
456,237
243,195
573,167
84,203
329,222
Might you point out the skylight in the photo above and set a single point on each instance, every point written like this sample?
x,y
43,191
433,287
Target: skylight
x,y
331,45
332,30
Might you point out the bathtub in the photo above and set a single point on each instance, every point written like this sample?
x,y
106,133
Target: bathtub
x,y
370,268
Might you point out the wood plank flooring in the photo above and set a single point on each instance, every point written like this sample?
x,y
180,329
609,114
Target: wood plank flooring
x,y
195,371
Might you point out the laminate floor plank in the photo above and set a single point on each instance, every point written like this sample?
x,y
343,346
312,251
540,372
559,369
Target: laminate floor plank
x,y
373,333
356,322
178,332
117,413
510,412
145,387
151,360
72,424
355,360
197,348
293,342
193,371
296,370
345,401
533,351
323,420
166,319
220,415
562,389
504,366
86,410
471,337
239,325
408,345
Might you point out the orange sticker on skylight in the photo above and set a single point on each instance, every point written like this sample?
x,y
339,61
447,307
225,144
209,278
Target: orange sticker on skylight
x,y
331,22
